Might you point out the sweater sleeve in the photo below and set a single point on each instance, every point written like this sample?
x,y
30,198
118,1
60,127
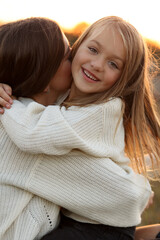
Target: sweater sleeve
x,y
56,131
95,188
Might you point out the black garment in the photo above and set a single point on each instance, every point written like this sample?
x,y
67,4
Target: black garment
x,y
158,235
70,229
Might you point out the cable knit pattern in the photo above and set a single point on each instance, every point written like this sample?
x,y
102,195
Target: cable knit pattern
x,y
92,180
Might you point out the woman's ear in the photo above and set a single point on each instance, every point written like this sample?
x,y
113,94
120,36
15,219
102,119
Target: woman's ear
x,y
47,89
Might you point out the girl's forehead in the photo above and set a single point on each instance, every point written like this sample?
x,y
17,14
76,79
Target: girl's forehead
x,y
104,29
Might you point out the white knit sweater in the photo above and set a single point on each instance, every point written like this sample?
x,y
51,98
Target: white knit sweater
x,y
70,158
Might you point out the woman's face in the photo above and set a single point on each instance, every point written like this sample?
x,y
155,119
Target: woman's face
x,y
62,79
98,63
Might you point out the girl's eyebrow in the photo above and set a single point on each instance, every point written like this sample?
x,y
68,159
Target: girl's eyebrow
x,y
115,56
95,41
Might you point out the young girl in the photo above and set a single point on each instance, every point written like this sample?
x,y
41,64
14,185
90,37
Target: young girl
x,y
103,74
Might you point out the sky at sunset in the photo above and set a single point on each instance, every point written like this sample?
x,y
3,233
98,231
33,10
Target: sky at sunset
x,y
143,14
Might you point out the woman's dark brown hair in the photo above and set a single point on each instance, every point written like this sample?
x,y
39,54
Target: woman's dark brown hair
x,y
31,51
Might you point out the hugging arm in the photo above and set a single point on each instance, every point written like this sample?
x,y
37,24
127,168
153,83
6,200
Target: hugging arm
x,y
56,131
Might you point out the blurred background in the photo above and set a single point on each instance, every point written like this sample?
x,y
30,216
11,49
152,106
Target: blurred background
x,y
74,16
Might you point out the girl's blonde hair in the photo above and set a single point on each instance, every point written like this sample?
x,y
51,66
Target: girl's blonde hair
x,y
141,121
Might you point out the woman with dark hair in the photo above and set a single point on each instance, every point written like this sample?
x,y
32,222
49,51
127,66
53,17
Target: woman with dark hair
x,y
34,62
33,50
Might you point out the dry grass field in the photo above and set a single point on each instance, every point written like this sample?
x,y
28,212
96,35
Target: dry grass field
x,y
152,214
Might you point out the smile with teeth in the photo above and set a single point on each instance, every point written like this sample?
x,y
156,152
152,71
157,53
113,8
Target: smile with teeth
x,y
89,75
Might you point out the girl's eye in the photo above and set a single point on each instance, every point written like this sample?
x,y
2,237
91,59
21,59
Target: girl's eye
x,y
92,49
113,64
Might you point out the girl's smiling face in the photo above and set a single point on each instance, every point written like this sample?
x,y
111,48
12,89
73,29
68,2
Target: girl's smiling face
x,y
98,62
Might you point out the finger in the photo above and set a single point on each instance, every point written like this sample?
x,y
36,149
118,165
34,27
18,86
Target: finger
x,y
151,202
7,89
4,103
1,110
4,98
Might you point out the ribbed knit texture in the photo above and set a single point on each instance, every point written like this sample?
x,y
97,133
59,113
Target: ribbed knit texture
x,y
84,171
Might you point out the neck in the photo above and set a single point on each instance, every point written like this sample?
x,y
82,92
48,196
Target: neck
x,y
46,98
75,93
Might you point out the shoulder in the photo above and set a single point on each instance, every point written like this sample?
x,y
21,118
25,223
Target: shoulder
x,y
113,111
114,102
26,105
113,106
24,100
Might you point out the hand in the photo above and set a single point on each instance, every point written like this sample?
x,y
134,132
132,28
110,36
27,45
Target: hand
x,y
5,99
150,202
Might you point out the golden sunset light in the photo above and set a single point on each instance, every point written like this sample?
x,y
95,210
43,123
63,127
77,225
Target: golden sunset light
x,y
79,119
143,14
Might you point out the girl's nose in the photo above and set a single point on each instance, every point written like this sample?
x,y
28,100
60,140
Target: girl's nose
x,y
97,64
